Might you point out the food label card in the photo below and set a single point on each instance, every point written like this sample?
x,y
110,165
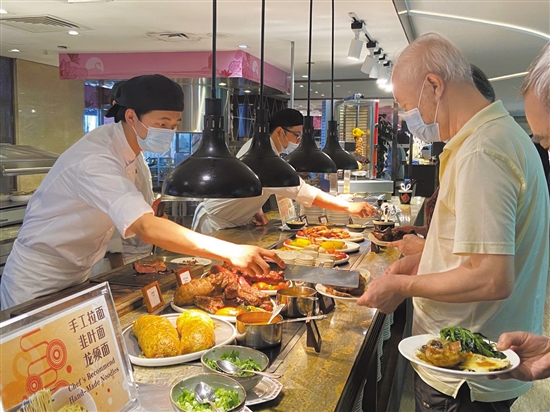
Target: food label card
x,y
286,208
73,352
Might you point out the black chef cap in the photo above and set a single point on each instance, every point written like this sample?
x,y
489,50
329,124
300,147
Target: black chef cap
x,y
285,118
114,90
147,93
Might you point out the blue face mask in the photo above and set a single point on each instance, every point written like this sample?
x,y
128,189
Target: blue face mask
x,y
157,140
428,133
289,148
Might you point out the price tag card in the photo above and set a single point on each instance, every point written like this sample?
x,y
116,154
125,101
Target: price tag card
x,y
183,276
303,218
323,219
152,295
69,353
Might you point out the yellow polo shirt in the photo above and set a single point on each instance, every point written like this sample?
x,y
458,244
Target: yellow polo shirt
x,y
493,199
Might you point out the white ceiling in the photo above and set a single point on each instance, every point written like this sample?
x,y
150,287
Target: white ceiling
x,y
122,26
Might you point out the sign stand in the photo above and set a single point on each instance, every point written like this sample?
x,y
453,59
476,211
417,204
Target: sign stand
x,y
73,349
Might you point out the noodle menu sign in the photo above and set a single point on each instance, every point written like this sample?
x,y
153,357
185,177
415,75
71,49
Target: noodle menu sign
x,y
69,354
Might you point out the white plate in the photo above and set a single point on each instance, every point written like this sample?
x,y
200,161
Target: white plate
x,y
409,346
20,198
192,261
266,390
62,396
181,309
348,247
322,289
376,241
225,334
342,261
354,237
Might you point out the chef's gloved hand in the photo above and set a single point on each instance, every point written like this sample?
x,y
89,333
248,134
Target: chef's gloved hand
x,y
361,209
252,259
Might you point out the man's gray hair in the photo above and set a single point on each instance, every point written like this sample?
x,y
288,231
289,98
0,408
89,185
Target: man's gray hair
x,y
432,53
538,77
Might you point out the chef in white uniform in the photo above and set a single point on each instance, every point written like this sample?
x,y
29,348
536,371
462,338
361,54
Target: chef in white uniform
x,y
91,191
285,129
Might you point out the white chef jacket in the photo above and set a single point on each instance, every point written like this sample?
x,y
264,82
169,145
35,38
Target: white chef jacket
x,y
216,214
88,192
492,200
133,248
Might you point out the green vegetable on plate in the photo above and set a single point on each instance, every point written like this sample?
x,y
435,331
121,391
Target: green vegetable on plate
x,y
471,342
233,357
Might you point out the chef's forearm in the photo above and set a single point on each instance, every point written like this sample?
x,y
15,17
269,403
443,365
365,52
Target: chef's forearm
x,y
326,201
171,236
485,278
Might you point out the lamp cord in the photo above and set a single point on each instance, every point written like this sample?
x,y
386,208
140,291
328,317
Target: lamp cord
x,y
214,31
309,58
262,56
332,70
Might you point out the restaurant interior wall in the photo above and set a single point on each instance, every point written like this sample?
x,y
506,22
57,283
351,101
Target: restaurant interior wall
x,y
48,112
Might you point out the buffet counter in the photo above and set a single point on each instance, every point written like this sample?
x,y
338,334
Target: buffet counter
x,y
330,380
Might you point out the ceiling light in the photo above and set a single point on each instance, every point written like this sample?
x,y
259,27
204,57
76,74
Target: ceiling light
x,y
212,171
316,92
382,76
356,45
243,46
374,71
508,76
336,85
512,27
301,85
222,84
247,91
73,32
304,76
2,11
15,50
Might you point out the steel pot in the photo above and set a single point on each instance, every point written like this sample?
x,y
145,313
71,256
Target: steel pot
x,y
299,301
253,330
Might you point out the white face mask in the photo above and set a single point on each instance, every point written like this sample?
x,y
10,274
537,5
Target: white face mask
x,y
289,148
428,133
158,140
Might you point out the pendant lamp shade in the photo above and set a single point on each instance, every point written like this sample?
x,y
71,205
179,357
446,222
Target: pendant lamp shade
x,y
268,166
339,156
212,171
307,158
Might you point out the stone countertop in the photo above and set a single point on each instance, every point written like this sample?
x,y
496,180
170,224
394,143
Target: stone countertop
x,y
311,381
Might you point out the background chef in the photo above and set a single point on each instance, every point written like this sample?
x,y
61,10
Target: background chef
x,y
90,192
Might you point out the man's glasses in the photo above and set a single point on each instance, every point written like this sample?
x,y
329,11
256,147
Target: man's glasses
x,y
298,136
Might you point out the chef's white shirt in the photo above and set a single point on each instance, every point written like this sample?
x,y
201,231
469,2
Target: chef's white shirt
x,y
88,193
492,200
216,214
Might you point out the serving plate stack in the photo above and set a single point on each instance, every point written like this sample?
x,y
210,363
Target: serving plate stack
x,y
338,218
312,213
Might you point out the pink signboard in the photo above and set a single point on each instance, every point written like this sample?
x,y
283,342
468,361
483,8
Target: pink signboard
x,y
113,66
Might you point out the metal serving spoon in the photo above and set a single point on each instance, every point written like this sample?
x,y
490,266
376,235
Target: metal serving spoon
x,y
276,311
205,394
231,368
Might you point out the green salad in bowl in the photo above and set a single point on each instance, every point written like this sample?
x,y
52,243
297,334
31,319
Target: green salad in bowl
x,y
230,396
243,357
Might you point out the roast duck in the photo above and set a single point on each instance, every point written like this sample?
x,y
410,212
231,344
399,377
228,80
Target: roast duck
x,y
225,286
158,338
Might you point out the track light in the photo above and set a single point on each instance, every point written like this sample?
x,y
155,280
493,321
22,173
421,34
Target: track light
x,y
370,60
356,45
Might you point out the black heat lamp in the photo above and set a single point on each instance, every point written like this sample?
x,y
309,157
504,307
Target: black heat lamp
x,y
268,166
307,157
212,171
